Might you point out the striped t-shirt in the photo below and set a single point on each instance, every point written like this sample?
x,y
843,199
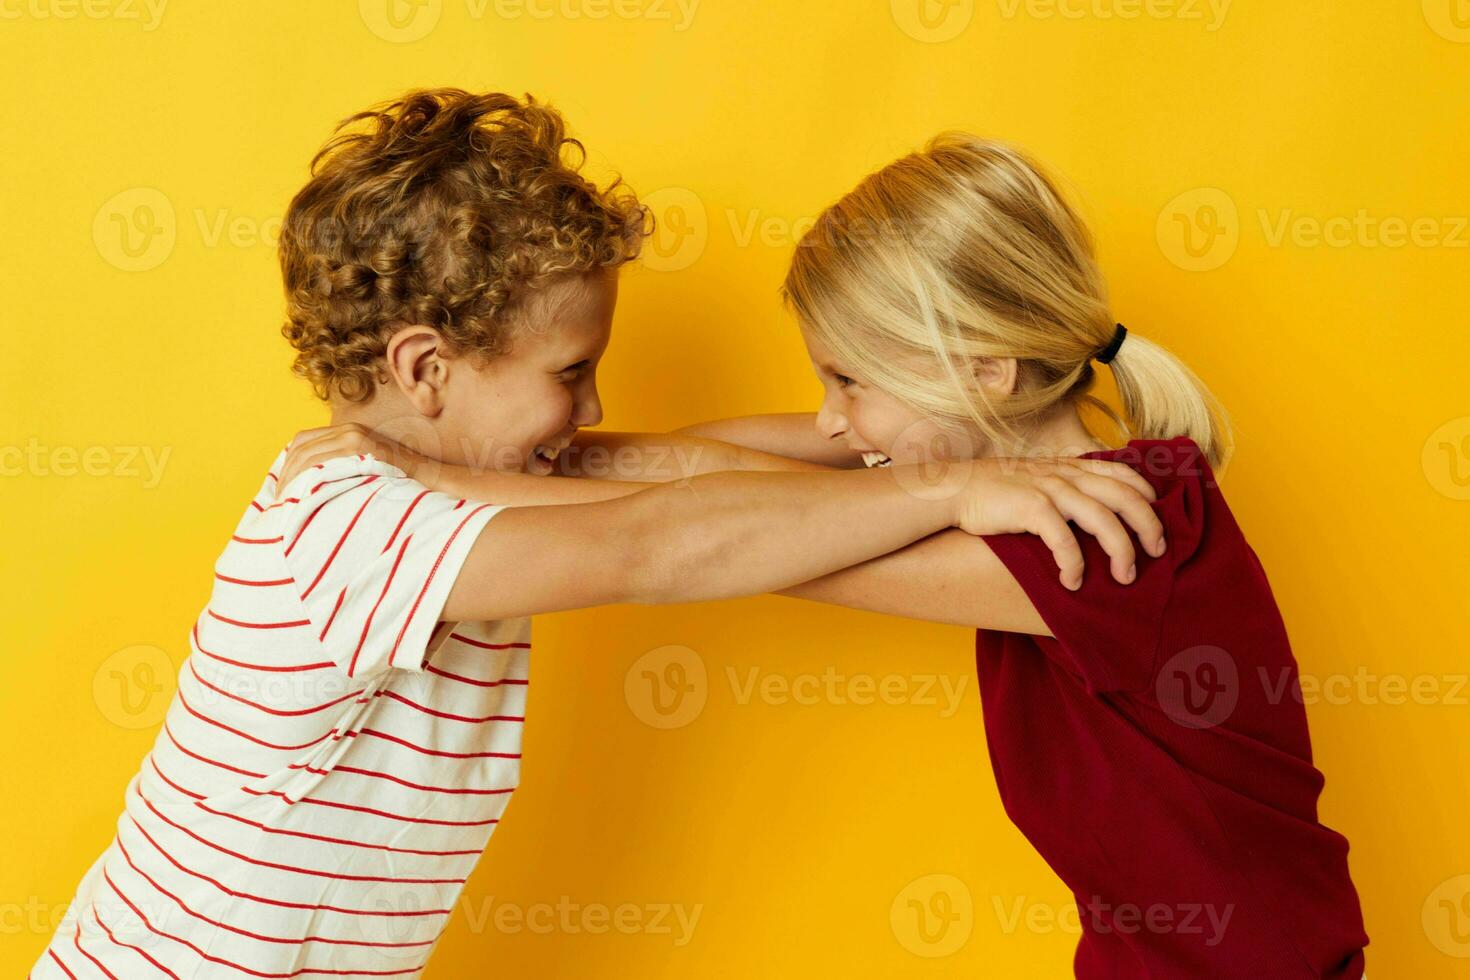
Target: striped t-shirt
x,y
334,760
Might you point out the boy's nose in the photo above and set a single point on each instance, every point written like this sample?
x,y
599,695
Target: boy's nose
x,y
589,411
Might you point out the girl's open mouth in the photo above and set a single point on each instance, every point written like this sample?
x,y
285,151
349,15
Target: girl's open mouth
x,y
876,459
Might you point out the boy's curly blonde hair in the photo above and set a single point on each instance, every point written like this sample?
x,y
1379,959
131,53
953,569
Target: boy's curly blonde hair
x,y
447,209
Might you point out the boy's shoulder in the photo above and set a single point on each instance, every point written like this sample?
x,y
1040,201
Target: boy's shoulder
x,y
370,552
331,477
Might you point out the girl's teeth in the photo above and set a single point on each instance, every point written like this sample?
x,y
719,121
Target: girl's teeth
x,y
876,459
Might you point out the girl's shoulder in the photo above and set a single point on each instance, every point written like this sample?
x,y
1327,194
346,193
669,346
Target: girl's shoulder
x,y
1188,498
1163,460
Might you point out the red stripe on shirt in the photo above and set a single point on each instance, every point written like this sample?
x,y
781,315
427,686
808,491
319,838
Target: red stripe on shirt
x,y
394,536
352,665
470,680
338,546
258,626
385,693
490,646
282,712
270,901
243,581
377,813
402,782
245,735
289,868
335,840
373,732
76,940
205,759
393,654
108,929
255,935
244,969
248,666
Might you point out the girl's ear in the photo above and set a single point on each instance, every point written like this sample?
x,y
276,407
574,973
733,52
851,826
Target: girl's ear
x,y
997,374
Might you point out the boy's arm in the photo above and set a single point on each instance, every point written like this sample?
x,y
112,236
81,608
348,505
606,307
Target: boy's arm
x,y
721,536
790,434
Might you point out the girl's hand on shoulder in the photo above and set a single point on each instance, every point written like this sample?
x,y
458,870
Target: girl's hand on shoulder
x,y
312,447
1039,496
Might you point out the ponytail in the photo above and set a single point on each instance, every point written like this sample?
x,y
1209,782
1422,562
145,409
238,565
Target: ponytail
x,y
1163,399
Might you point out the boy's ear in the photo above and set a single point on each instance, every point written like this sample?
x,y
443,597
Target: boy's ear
x,y
414,364
997,374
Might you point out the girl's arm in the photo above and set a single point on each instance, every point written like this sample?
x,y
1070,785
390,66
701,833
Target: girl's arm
x,y
791,434
949,577
663,457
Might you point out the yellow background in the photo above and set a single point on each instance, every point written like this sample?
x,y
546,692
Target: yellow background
x,y
795,829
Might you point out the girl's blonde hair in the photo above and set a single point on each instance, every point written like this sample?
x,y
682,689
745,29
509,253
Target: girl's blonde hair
x,y
967,250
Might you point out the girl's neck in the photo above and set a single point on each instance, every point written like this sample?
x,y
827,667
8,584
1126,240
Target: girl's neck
x,y
1061,434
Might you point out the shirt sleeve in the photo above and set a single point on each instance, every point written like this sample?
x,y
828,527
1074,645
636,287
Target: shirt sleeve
x,y
1107,633
373,555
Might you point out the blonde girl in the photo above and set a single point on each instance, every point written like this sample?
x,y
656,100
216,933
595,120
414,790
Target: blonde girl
x,y
1137,724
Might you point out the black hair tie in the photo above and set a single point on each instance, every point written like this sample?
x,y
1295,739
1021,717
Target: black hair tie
x,y
1106,355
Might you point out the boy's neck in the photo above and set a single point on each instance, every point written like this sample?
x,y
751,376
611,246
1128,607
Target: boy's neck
x,y
385,414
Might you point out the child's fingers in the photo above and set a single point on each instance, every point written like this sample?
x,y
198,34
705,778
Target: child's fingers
x,y
1130,506
1098,520
305,435
1121,472
299,458
314,446
1052,528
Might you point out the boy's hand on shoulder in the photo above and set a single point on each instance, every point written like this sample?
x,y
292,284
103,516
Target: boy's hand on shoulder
x,y
311,447
1039,496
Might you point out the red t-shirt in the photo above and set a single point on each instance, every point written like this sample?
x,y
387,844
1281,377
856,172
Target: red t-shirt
x,y
1156,754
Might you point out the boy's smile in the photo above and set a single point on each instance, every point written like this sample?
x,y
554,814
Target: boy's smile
x,y
514,413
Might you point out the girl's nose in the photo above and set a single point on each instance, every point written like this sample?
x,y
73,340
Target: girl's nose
x,y
830,423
